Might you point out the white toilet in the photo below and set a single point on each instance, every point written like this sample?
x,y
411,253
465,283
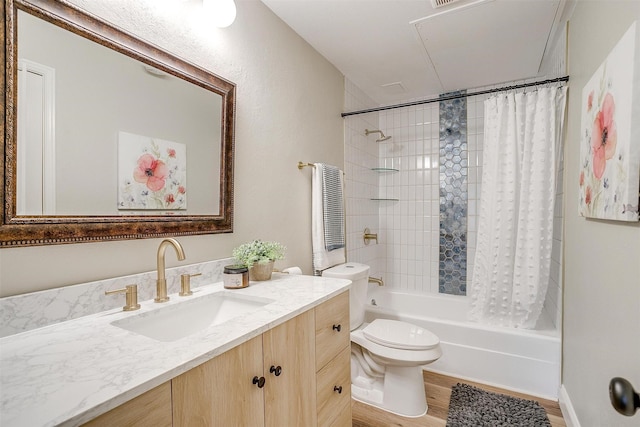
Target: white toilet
x,y
386,355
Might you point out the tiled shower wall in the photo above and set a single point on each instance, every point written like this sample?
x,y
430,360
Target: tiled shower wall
x,y
408,222
410,227
361,182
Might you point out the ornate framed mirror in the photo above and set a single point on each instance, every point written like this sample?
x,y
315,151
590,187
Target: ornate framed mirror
x,y
107,137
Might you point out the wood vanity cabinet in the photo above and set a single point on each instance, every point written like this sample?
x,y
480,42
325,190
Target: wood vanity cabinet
x,y
303,366
333,362
268,381
220,392
150,409
296,374
290,394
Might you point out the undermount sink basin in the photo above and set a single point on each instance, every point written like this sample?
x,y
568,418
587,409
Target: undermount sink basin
x,y
177,321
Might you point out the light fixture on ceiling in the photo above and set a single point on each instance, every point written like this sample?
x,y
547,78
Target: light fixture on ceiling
x,y
440,3
154,71
222,13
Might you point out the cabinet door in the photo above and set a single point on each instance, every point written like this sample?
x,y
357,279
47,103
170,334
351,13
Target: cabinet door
x,y
151,409
220,392
290,398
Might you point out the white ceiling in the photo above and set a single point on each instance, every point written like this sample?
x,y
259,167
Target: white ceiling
x,y
396,50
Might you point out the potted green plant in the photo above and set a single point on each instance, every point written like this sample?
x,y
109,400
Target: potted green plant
x,y
259,257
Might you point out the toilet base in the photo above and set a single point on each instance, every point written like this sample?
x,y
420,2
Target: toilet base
x,y
400,391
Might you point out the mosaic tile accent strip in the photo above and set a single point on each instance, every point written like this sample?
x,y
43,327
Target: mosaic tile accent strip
x,y
453,197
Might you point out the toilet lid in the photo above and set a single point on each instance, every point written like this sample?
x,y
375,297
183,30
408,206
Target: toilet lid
x,y
402,335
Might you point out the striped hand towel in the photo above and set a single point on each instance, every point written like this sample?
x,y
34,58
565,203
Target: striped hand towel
x,y
327,219
333,207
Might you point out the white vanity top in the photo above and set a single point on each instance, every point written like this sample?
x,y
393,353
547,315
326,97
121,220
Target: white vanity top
x,y
73,371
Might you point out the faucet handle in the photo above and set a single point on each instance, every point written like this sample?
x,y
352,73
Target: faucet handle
x,y
131,294
185,284
368,235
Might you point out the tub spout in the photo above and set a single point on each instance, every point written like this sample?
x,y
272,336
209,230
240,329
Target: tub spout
x,y
375,280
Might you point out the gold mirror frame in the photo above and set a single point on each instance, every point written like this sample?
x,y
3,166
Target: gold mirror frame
x,y
18,231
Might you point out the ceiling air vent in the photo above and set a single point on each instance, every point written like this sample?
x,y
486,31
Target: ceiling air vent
x,y
441,3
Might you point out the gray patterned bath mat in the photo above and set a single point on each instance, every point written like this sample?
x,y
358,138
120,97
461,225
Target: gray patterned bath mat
x,y
472,407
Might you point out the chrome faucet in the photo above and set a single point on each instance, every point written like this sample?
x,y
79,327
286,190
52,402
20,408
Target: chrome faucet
x,y
161,283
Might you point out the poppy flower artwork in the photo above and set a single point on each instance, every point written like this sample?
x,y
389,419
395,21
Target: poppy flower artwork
x,y
152,173
609,174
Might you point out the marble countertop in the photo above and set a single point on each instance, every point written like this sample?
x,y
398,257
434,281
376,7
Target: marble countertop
x,y
71,372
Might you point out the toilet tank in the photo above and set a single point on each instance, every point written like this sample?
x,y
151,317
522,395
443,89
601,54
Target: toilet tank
x,y
359,276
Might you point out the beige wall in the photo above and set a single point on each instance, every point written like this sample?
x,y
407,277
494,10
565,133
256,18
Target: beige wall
x,y
289,100
602,268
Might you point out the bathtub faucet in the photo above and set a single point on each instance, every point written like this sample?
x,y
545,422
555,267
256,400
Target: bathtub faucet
x,y
378,281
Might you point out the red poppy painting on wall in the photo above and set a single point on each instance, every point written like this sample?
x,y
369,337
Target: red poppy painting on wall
x,y
152,173
609,177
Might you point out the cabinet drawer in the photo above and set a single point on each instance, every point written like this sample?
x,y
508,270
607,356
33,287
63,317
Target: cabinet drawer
x,y
331,316
343,418
332,404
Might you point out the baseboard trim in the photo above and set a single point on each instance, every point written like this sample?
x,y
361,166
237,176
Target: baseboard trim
x,y
568,413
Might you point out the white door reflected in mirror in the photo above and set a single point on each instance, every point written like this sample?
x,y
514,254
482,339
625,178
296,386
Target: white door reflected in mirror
x,y
36,186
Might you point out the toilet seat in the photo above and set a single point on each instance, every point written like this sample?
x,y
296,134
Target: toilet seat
x,y
401,335
395,356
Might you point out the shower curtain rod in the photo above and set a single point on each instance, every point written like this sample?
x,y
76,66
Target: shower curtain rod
x,y
456,96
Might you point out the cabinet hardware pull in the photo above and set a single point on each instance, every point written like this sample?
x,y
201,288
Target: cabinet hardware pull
x,y
259,381
337,388
337,327
277,370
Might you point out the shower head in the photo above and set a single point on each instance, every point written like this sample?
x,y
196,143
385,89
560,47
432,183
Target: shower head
x,y
382,137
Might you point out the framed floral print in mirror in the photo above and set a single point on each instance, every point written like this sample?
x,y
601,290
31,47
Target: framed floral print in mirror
x,y
152,173
609,177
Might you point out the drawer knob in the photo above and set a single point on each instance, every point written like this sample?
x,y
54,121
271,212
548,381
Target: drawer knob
x,y
277,370
337,327
259,381
337,388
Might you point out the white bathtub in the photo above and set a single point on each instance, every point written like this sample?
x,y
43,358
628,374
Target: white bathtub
x,y
518,359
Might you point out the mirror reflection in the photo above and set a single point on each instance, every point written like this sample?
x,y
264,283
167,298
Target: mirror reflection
x,y
100,133
107,137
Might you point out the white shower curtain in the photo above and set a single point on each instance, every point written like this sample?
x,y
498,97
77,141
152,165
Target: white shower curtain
x,y
522,143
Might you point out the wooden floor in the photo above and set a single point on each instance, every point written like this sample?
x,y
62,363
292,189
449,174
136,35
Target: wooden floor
x,y
438,389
